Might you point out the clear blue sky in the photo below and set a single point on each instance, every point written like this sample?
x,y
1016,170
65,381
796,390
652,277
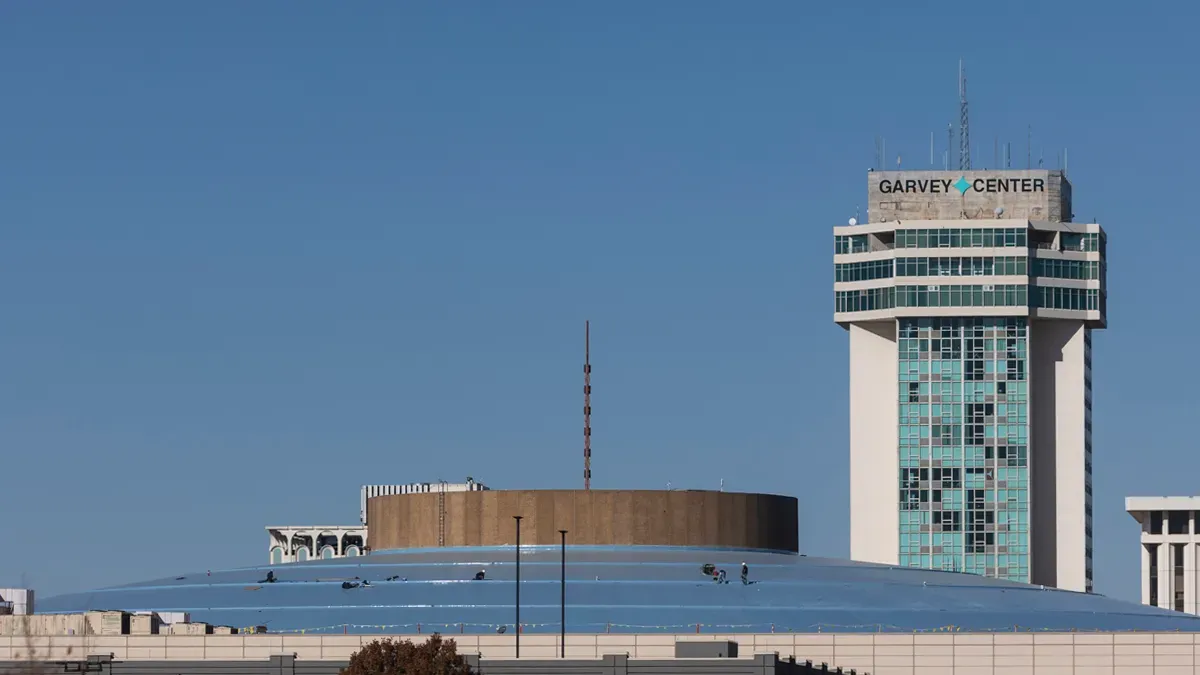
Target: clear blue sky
x,y
253,255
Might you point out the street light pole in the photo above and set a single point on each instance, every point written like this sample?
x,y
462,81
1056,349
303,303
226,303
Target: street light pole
x,y
562,603
517,627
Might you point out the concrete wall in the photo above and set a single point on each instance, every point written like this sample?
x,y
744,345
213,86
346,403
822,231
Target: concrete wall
x,y
765,664
939,201
594,517
874,459
880,654
1059,502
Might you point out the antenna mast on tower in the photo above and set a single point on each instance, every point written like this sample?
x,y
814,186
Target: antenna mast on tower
x,y
587,406
964,125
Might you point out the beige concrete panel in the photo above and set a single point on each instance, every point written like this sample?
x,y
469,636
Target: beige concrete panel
x,y
936,670
974,670
660,640
1133,650
1009,660
1053,650
606,642
894,650
185,653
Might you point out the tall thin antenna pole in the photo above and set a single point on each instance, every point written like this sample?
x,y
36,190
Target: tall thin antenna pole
x,y
587,405
931,150
949,142
1064,161
964,124
1029,147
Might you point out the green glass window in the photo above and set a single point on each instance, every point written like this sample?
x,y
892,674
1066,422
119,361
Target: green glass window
x,y
1066,269
863,271
960,237
963,439
962,295
856,243
865,300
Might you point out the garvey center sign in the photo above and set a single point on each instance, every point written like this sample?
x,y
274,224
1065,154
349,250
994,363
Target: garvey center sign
x,y
961,186
1032,194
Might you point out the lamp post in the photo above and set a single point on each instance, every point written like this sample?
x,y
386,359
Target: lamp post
x,y
517,627
562,603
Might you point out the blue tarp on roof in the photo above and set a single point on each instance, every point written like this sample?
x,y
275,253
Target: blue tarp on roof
x,y
618,590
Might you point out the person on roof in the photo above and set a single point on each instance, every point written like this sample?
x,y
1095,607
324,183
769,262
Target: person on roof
x,y
480,575
745,573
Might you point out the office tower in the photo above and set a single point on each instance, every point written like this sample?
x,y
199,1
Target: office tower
x,y
970,298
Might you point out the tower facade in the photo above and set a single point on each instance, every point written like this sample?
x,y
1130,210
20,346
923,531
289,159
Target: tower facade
x,y
970,298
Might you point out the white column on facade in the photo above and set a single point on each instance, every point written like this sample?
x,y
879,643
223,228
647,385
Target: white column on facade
x,y
1189,577
1165,575
874,457
1145,575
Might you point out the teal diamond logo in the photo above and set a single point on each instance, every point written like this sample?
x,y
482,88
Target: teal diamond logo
x,y
962,185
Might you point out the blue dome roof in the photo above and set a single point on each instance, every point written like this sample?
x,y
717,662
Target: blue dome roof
x,y
619,590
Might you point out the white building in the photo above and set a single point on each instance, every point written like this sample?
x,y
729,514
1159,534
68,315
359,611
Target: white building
x,y
297,543
970,299
16,601
1169,539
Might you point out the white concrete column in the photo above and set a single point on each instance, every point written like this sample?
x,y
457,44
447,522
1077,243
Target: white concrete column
x,y
1189,577
1145,575
1165,575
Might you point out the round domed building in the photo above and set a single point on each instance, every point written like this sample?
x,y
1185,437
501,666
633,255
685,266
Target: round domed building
x,y
635,562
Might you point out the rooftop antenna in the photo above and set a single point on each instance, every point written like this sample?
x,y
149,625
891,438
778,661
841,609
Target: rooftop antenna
x,y
587,405
964,125
931,165
1028,146
1064,161
949,142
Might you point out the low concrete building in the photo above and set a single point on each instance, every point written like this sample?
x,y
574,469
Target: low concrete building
x,y
1169,538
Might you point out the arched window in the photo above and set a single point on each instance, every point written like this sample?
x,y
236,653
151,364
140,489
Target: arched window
x,y
328,552
351,551
302,554
276,555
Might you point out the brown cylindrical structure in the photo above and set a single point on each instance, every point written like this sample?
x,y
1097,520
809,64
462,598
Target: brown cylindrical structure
x,y
594,518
